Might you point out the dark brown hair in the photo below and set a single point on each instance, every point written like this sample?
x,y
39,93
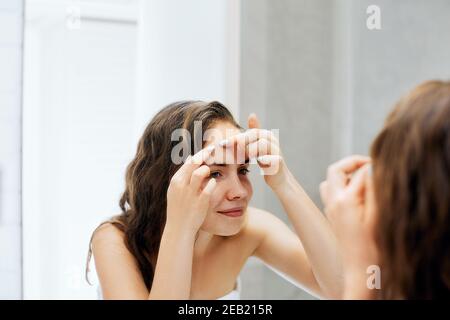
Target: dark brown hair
x,y
411,172
143,202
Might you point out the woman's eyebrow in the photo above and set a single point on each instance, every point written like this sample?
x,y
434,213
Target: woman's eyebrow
x,y
247,161
218,165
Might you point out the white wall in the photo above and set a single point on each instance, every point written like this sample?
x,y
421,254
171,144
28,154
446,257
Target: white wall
x,y
10,148
79,108
313,69
188,50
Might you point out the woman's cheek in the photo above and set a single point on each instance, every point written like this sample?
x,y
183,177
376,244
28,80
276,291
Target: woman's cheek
x,y
216,196
248,186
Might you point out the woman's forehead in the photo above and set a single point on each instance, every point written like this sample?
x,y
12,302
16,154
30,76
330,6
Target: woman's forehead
x,y
219,132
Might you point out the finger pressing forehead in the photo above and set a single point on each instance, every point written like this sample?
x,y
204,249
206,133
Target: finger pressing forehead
x,y
201,156
248,137
192,163
259,148
222,156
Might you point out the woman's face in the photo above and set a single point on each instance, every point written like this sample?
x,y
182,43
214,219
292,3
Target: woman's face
x,y
229,200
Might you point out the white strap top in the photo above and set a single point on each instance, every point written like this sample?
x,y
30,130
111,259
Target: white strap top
x,y
235,294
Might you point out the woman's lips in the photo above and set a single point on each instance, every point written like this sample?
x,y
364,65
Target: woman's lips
x,y
233,212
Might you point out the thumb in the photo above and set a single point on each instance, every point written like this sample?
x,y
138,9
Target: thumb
x,y
208,189
370,198
253,122
269,164
358,182
205,195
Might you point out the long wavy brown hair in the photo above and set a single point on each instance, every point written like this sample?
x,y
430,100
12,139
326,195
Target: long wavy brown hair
x,y
411,172
143,203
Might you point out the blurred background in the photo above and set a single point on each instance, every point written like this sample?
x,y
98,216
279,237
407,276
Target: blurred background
x,y
79,80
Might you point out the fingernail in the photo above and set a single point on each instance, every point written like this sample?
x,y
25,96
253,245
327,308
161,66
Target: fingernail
x,y
224,143
210,148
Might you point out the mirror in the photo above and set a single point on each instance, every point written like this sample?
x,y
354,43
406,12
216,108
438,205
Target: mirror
x,y
325,73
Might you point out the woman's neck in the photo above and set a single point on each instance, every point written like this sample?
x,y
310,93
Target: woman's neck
x,y
203,240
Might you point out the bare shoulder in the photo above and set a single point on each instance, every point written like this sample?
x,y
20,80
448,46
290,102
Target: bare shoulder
x,y
259,223
108,247
259,219
117,270
107,235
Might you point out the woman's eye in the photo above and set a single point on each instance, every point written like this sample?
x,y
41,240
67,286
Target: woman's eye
x,y
244,171
215,174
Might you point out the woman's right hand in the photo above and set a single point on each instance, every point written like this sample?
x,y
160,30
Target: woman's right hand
x,y
187,195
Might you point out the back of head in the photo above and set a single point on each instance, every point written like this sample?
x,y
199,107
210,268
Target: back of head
x,y
411,172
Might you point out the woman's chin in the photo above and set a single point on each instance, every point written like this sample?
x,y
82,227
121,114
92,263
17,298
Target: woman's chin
x,y
222,225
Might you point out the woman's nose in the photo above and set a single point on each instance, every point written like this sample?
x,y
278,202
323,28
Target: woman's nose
x,y
236,190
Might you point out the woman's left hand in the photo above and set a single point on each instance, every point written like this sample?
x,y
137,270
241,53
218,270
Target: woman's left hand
x,y
264,146
350,206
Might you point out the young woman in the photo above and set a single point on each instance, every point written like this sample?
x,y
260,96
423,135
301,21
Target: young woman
x,y
398,217
186,230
